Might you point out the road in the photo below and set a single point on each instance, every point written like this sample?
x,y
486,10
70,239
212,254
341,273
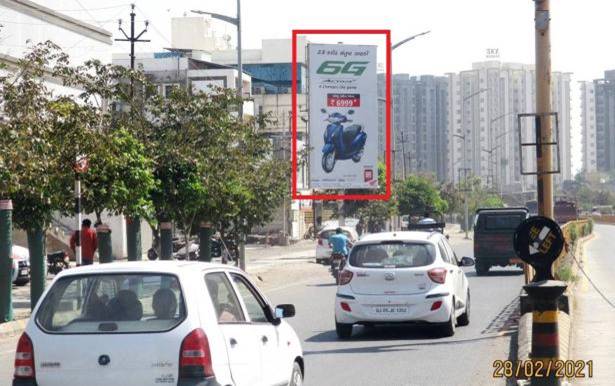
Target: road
x,y
398,355
403,355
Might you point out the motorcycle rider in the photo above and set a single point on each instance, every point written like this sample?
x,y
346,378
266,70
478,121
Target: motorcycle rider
x,y
340,243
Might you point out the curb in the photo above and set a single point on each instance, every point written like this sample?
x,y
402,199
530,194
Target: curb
x,y
15,327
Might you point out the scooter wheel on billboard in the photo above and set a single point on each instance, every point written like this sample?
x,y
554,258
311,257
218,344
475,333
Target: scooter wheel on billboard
x,y
343,87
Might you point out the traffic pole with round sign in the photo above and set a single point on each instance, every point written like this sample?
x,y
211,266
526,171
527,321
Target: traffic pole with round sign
x,y
539,241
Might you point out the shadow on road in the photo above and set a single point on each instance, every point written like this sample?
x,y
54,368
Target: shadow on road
x,y
385,333
322,284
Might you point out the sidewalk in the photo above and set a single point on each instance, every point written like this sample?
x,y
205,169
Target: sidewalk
x,y
594,318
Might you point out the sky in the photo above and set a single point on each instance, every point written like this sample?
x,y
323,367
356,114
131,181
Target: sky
x,y
461,31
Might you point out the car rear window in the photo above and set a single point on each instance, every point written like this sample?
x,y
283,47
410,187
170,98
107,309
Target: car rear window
x,y
503,222
326,234
112,303
393,255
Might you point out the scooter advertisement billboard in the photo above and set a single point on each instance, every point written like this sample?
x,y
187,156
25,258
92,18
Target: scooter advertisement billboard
x,y
343,116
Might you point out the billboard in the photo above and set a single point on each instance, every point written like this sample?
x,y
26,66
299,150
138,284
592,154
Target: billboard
x,y
343,116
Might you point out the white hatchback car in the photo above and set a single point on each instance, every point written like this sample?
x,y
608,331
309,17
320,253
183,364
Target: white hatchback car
x,y
152,323
398,277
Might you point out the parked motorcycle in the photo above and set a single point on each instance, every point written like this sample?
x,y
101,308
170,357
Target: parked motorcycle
x,y
57,261
341,142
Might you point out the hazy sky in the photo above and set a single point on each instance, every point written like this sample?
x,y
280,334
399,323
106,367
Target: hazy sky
x,y
582,31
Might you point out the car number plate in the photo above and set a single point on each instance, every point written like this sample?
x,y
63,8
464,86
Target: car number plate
x,y
391,310
24,272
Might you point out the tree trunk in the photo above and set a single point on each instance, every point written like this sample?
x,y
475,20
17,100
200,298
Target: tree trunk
x,y
133,238
36,247
6,262
205,232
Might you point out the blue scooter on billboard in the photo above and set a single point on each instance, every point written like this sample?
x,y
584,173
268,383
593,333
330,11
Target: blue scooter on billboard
x,y
341,142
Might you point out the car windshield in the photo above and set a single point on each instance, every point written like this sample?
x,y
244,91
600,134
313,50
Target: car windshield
x,y
394,255
503,222
112,303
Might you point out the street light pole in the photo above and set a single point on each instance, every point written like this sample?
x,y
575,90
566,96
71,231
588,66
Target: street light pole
x,y
465,180
393,47
236,21
465,154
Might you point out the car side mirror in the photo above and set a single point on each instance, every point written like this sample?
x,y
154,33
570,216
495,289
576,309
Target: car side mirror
x,y
284,311
467,262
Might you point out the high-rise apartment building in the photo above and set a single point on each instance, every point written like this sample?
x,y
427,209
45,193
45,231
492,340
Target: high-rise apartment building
x,y
588,126
483,127
419,124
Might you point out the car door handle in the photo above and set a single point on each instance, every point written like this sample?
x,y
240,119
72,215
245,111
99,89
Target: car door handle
x,y
264,339
233,342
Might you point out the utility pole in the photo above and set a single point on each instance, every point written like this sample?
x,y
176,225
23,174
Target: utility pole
x,y
544,131
132,39
133,225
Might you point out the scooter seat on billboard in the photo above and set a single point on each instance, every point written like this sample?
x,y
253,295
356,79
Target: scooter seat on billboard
x,y
343,116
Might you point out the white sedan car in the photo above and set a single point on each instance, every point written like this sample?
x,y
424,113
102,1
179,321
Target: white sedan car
x,y
153,323
403,277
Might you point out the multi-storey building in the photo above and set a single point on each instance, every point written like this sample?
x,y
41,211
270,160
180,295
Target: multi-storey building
x,y
483,127
588,126
605,122
419,125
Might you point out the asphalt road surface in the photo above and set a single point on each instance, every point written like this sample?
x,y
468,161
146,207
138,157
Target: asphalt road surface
x,y
392,355
407,355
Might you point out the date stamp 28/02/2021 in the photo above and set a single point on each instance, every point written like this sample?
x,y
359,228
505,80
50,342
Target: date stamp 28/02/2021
x,y
543,368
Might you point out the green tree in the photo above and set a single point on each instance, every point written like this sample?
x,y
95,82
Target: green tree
x,y
418,195
46,134
375,213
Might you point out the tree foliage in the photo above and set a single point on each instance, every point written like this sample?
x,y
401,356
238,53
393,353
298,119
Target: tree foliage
x,y
418,195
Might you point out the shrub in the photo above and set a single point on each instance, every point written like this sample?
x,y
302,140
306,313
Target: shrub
x,y
573,234
565,273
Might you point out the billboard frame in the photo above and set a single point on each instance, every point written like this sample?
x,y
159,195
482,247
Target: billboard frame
x,y
328,197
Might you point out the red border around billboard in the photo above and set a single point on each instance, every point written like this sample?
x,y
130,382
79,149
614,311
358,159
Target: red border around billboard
x,y
383,197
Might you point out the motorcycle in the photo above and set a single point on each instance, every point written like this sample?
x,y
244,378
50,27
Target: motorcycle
x,y
337,261
341,142
57,262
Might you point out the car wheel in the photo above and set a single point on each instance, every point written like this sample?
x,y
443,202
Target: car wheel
x,y
296,379
343,330
448,328
481,269
464,319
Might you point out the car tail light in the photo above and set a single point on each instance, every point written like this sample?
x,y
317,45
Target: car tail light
x,y
24,358
437,275
436,305
345,277
195,356
345,306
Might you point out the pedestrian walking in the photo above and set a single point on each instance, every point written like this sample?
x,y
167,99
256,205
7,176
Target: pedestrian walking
x,y
89,243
